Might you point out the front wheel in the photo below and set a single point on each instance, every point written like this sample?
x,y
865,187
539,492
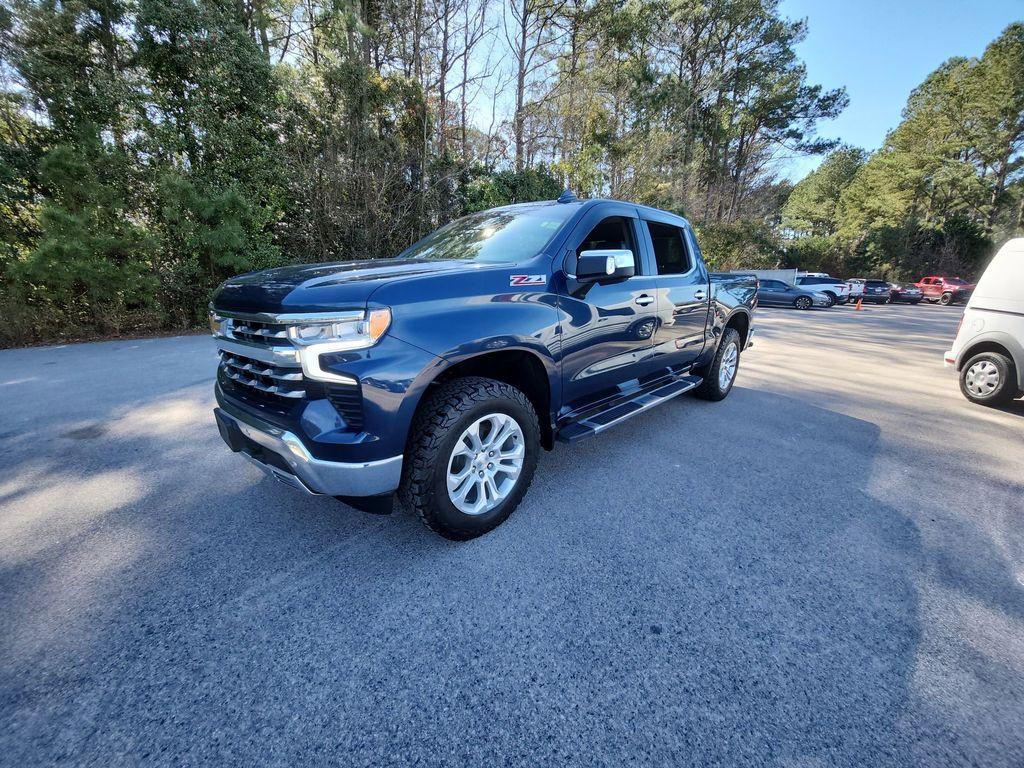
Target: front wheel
x,y
803,302
831,299
721,374
946,299
989,378
471,457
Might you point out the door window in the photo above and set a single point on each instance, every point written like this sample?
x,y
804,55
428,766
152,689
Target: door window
x,y
669,250
613,233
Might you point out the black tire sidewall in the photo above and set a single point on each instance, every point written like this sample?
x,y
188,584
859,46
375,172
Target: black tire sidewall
x,y
710,388
946,299
803,303
1007,379
437,510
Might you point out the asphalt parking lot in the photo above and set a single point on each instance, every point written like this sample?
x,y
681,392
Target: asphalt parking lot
x,y
825,569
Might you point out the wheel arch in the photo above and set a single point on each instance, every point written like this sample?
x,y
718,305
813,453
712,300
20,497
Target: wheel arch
x,y
520,367
740,320
1000,343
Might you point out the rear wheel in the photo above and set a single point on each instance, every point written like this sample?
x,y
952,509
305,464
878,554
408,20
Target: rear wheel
x,y
721,374
471,457
989,378
803,302
946,299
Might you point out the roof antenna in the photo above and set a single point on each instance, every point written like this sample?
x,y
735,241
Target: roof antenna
x,y
567,197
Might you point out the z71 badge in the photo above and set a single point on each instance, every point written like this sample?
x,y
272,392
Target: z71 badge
x,y
527,280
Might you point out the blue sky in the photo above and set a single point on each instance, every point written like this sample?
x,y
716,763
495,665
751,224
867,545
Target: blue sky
x,y
882,50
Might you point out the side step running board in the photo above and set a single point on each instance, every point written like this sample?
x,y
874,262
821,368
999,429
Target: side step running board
x,y
602,420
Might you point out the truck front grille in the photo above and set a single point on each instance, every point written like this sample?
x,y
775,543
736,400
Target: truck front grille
x,y
263,377
259,332
260,365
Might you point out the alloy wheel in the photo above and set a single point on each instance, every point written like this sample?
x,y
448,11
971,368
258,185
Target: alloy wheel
x,y
727,368
485,463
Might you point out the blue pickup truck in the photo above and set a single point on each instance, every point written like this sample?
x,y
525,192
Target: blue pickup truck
x,y
441,373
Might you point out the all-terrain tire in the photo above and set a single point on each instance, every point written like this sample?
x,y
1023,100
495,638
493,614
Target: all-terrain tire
x,y
712,388
440,421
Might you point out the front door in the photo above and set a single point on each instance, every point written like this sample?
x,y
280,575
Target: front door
x,y
607,329
771,292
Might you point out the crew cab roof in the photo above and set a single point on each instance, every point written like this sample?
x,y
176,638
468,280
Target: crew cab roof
x,y
585,205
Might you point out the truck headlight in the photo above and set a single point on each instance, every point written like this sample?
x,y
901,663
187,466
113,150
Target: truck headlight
x,y
341,335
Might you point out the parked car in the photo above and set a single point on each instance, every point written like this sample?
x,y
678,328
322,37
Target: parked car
x,y
836,290
775,293
856,289
875,291
441,373
908,293
945,290
988,351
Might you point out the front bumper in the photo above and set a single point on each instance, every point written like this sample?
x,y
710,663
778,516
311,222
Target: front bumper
x,y
282,455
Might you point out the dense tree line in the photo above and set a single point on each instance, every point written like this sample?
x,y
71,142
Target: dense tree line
x,y
945,188
151,148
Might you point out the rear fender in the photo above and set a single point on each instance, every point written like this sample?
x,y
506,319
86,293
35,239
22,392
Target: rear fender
x,y
1004,340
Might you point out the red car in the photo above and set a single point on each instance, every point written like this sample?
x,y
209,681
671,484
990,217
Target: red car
x,y
945,290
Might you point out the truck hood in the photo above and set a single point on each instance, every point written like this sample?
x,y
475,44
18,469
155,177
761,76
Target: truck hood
x,y
323,287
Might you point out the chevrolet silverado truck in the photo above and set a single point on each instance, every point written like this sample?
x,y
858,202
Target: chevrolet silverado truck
x,y
441,373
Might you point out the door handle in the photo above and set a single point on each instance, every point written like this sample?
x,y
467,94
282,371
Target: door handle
x,y
699,295
644,300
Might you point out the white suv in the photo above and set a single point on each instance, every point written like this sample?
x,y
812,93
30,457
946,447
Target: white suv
x,y
989,347
837,291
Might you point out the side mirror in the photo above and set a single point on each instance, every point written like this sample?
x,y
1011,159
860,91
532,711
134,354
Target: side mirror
x,y
605,266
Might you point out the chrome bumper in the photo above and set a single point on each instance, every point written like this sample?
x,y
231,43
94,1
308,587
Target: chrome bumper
x,y
307,473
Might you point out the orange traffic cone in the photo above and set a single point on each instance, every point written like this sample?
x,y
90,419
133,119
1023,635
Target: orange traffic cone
x,y
859,302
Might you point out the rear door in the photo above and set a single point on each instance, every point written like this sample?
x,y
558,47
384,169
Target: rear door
x,y
683,290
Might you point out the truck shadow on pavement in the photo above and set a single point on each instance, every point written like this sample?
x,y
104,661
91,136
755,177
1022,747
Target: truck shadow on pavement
x,y
706,583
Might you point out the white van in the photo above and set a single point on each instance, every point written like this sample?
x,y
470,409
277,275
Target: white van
x,y
989,347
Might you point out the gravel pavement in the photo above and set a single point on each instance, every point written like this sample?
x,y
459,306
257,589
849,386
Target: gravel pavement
x,y
825,569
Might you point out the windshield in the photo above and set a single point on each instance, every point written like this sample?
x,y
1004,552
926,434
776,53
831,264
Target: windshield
x,y
493,236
